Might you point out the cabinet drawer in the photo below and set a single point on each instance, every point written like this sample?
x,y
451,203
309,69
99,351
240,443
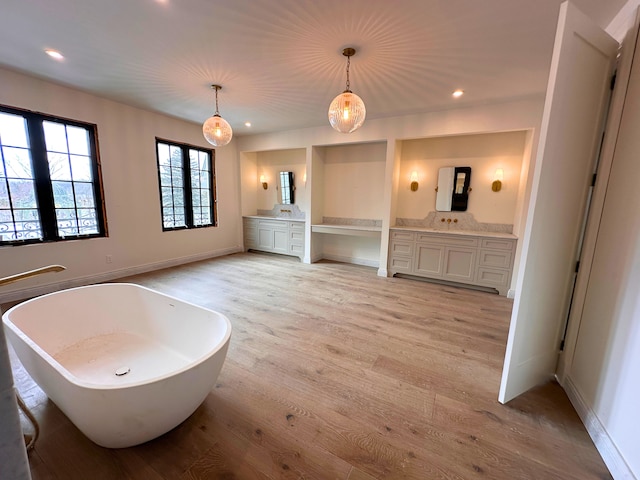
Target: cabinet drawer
x,y
401,248
296,237
296,226
402,235
498,244
495,258
492,277
296,249
459,240
401,264
273,224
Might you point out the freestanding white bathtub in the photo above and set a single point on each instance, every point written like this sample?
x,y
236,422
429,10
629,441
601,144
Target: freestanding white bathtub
x,y
125,363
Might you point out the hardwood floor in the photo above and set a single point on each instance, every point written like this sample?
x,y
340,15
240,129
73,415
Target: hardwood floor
x,y
336,373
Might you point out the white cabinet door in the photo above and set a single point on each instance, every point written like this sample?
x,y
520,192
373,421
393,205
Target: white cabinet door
x,y
571,129
429,260
265,238
281,241
459,264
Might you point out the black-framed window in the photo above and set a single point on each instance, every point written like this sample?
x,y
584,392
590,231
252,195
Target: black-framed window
x,y
186,177
50,183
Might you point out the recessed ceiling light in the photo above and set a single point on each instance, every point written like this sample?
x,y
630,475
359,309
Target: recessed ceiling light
x,y
457,93
247,124
54,54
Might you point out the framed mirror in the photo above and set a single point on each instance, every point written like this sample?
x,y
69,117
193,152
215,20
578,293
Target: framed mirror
x,y
453,189
286,190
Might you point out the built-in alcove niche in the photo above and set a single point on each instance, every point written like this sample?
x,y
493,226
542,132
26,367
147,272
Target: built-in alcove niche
x,y
267,165
348,202
484,153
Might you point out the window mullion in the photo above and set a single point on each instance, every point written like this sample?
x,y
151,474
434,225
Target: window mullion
x,y
44,190
186,180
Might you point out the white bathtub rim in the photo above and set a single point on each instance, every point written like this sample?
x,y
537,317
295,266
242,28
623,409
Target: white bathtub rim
x,y
99,386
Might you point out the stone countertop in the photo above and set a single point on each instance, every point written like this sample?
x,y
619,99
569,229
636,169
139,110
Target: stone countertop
x,y
264,217
474,233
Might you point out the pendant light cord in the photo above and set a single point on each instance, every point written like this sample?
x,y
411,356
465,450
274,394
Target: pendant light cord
x,y
348,83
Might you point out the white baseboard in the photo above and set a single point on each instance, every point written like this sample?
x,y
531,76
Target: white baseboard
x,y
511,293
601,439
382,272
31,292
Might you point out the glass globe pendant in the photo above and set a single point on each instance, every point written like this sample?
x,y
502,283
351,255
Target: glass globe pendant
x,y
347,111
216,130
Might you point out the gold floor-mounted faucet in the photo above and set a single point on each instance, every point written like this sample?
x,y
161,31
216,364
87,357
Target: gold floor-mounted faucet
x,y
30,273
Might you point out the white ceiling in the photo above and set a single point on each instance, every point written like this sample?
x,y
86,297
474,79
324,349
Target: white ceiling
x,y
280,61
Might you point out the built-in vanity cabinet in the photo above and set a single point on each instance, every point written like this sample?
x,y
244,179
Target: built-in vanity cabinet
x,y
476,258
275,235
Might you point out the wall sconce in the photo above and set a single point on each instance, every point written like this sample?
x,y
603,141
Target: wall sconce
x,y
414,181
304,178
496,186
263,181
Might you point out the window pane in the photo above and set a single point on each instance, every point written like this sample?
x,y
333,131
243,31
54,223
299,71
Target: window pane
x,y
176,177
63,194
87,221
84,195
195,179
13,130
55,137
165,175
179,220
67,221
59,166
193,159
204,198
27,224
206,217
197,216
176,156
167,197
195,198
163,154
4,194
81,168
204,180
22,194
78,140
18,162
204,161
2,174
178,197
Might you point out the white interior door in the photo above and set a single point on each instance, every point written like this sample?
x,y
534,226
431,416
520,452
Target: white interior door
x,y
575,106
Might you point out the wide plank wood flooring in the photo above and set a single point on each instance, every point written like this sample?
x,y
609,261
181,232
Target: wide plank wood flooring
x,y
336,373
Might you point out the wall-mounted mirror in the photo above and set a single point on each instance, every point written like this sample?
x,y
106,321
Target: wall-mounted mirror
x,y
453,189
286,196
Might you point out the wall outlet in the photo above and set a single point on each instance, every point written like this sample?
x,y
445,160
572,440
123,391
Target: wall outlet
x,y
108,258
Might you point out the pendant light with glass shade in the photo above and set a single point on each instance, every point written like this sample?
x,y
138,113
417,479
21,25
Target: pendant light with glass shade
x,y
216,129
347,111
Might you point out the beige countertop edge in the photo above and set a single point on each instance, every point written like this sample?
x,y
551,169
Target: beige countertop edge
x,y
457,232
264,217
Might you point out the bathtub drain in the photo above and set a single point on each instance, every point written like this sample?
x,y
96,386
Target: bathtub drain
x,y
122,371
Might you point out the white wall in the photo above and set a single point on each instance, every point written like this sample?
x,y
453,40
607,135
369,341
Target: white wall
x,y
354,181
483,153
136,241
